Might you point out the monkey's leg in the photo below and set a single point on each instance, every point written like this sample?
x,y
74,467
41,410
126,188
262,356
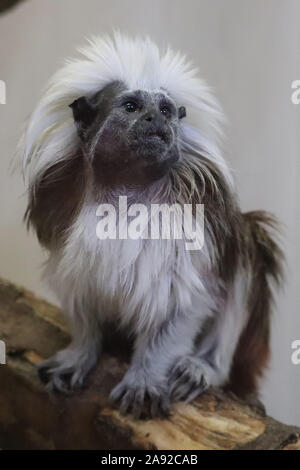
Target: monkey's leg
x,y
67,369
144,388
211,360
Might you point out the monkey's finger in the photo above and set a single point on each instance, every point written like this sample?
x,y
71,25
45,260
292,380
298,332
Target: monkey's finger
x,y
189,389
138,403
164,408
154,405
117,393
179,382
175,374
193,393
77,380
126,402
179,391
195,390
183,386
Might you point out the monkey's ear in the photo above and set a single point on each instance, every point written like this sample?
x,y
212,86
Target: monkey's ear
x,y
84,113
181,112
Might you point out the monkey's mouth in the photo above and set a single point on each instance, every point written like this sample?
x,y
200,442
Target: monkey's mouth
x,y
151,143
152,134
160,135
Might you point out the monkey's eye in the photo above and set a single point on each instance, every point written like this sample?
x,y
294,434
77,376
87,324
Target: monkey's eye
x,y
130,106
165,110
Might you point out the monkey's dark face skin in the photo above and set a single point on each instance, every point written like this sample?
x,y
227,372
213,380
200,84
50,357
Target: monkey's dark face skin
x,y
131,137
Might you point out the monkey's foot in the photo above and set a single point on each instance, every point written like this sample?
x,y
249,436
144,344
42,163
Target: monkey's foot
x,y
188,378
143,399
66,370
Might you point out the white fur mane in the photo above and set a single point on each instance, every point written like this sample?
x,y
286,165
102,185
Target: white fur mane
x,y
51,134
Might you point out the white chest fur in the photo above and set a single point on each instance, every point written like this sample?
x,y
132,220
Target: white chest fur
x,y
139,281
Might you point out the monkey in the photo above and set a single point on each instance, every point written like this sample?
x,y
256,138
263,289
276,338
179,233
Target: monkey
x,y
130,119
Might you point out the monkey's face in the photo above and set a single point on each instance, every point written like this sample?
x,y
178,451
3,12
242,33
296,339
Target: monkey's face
x,y
130,136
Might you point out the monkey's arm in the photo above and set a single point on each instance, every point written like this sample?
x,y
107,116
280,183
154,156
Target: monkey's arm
x,y
146,381
211,360
67,369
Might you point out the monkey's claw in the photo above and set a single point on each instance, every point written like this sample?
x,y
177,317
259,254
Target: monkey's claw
x,y
187,379
66,370
141,400
58,379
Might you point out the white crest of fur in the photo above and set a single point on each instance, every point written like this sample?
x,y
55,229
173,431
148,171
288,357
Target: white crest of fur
x,y
51,134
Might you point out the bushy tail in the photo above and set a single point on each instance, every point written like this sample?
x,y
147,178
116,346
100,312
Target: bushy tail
x,y
266,263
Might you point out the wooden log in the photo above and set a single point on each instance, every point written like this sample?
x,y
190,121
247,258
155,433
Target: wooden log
x,y
30,418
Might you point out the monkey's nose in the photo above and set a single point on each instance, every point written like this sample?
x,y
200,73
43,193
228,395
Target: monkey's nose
x,y
154,119
148,116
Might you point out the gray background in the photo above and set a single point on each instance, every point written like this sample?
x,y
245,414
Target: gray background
x,y
249,51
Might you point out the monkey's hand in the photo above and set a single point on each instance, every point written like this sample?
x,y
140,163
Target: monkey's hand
x,y
188,378
141,395
67,369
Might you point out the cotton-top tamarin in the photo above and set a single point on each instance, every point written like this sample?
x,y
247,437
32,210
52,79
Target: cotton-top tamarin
x,y
128,119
